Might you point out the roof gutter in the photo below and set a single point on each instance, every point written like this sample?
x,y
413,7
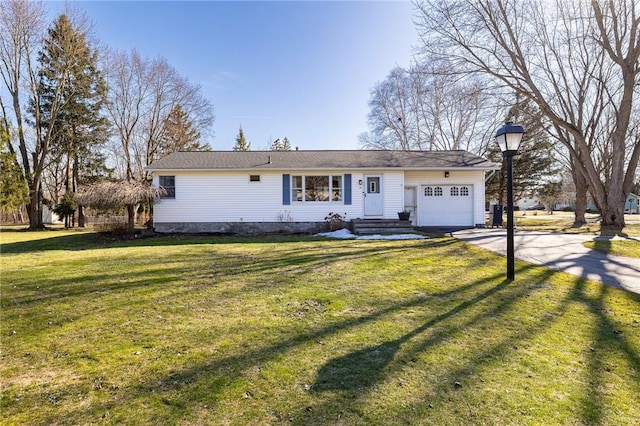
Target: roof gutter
x,y
269,169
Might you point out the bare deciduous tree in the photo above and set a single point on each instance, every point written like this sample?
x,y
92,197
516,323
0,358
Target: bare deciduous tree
x,y
21,29
576,59
429,107
127,93
142,94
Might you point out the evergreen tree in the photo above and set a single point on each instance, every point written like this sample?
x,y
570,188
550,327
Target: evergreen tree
x,y
549,194
66,208
286,145
13,188
242,144
281,145
69,74
179,134
534,164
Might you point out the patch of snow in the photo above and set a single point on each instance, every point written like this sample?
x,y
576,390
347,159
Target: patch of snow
x,y
345,234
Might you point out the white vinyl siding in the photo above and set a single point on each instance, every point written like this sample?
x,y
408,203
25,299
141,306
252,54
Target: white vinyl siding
x,y
391,186
219,196
231,197
473,179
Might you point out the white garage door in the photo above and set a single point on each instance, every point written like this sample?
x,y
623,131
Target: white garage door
x,y
446,205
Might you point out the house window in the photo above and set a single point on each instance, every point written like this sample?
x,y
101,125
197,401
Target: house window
x,y
316,188
254,178
428,191
464,191
297,191
373,183
437,191
336,188
168,183
454,191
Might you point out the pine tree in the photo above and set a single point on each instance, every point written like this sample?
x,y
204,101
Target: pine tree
x,y
13,187
286,145
549,194
69,76
281,145
242,144
534,164
179,134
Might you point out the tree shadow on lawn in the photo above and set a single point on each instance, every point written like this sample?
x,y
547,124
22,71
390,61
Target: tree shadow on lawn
x,y
345,381
219,374
607,335
52,240
91,240
204,268
348,379
109,290
366,367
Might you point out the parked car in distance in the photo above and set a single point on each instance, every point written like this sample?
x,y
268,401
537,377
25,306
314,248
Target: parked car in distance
x,y
536,207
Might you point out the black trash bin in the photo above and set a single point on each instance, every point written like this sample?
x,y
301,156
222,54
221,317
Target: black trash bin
x,y
497,215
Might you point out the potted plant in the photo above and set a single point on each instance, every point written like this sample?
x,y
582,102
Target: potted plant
x,y
404,215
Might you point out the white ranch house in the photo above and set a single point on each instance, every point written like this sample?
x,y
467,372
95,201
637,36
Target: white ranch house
x,y
268,191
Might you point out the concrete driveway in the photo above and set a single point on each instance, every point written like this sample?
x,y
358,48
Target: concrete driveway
x,y
563,252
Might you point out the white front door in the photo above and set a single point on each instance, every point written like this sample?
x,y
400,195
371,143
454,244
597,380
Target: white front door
x,y
410,202
373,196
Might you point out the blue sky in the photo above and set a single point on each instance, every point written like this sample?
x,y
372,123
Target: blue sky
x,y
298,69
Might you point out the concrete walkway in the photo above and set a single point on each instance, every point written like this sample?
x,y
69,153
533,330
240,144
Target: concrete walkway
x,y
563,252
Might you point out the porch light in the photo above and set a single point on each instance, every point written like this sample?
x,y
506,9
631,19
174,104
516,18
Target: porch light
x,y
508,138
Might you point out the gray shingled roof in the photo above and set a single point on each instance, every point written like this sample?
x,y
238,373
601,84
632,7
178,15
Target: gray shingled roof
x,y
300,160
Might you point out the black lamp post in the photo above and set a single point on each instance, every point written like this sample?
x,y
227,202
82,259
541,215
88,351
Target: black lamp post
x,y
509,137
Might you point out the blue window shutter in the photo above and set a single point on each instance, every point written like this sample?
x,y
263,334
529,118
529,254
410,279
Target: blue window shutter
x,y
347,189
286,190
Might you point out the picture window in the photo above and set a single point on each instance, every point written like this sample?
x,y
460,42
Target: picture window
x,y
316,188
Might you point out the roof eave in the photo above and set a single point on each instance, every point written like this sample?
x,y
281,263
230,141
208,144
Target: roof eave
x,y
439,168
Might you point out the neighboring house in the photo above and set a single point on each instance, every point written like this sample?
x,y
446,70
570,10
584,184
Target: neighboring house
x,y
632,205
527,203
294,191
49,217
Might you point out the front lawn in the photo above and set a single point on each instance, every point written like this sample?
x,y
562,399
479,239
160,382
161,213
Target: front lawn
x,y
299,330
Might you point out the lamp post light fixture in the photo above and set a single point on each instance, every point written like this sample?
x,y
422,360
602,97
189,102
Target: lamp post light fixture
x,y
508,138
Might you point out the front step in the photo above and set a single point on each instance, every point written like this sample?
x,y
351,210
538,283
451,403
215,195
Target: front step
x,y
381,226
